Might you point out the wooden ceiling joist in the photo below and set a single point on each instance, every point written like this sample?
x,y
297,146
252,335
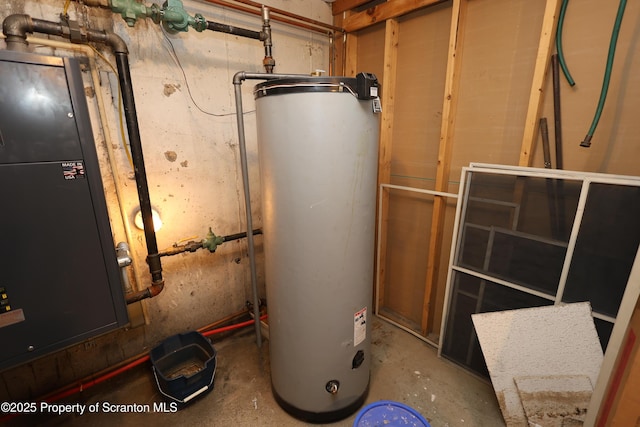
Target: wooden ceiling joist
x,y
340,6
381,12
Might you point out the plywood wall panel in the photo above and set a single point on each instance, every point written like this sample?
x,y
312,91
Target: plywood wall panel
x,y
422,52
501,42
409,222
421,65
371,51
586,35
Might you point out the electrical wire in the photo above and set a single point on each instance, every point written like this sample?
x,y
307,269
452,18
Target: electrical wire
x,y
607,74
172,52
66,7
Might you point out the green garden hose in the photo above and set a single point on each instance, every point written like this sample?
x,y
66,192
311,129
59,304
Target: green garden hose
x,y
561,61
607,74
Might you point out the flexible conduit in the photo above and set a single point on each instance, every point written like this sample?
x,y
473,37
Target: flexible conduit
x,y
607,74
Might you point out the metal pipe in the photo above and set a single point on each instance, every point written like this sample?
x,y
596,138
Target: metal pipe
x,y
292,15
298,21
229,29
247,202
179,249
268,61
124,76
557,116
546,151
237,236
131,118
124,260
193,246
96,3
150,291
557,119
15,28
238,78
551,188
264,36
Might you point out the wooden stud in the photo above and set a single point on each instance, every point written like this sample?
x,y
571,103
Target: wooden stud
x,y
452,80
386,136
545,48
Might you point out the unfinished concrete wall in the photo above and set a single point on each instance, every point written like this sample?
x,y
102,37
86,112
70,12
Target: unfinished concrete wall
x,y
186,110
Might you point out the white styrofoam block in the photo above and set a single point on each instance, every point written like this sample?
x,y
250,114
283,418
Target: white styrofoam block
x,y
538,341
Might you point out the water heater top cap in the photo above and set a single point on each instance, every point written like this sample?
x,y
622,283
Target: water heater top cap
x,y
363,86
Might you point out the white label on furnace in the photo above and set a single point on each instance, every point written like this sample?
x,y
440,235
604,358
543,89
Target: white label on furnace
x,y
359,326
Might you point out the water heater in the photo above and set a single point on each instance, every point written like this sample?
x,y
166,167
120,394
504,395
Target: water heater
x,y
318,152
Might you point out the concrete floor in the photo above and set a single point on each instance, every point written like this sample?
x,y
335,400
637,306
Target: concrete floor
x,y
404,369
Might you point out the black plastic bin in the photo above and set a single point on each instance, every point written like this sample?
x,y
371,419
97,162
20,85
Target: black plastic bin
x,y
184,366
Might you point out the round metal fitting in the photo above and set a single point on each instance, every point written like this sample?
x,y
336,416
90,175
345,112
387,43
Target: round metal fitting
x,y
332,386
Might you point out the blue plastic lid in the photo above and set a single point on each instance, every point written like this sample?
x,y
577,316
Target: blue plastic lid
x,y
389,414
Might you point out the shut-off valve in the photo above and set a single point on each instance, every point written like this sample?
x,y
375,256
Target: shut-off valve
x,y
174,19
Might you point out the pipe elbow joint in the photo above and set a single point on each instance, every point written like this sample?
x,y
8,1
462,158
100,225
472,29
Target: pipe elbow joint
x,y
151,291
15,28
155,288
116,42
239,77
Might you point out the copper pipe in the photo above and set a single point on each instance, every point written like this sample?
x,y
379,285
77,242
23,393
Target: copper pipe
x,y
317,26
291,15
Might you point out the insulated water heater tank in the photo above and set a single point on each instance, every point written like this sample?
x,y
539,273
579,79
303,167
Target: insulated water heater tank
x,y
318,150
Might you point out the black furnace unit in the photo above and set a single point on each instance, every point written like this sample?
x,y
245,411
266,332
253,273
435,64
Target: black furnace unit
x,y
59,277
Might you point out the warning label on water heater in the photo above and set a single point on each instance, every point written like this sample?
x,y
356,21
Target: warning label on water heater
x,y
359,326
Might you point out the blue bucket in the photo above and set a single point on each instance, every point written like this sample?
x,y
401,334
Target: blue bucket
x,y
389,414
